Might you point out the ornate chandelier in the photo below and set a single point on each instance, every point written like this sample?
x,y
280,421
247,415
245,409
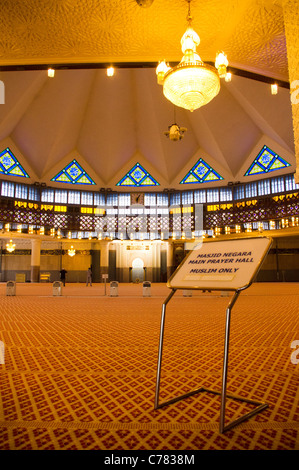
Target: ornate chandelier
x,y
10,246
71,251
192,83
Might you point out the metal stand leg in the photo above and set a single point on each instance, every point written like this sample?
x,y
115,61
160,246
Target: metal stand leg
x,y
161,348
260,406
224,395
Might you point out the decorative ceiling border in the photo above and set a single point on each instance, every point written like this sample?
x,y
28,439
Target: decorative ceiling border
x,y
134,65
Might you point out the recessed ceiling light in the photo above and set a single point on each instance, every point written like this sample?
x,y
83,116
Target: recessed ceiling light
x,y
110,71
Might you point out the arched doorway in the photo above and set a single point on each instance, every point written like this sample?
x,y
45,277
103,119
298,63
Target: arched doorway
x,y
137,272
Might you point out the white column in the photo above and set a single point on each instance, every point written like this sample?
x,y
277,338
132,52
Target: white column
x,y
118,249
156,261
35,259
104,247
169,258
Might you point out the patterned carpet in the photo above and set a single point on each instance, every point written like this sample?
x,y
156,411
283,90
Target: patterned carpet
x,y
80,369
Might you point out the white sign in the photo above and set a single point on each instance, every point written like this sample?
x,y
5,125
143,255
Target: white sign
x,y
221,264
104,276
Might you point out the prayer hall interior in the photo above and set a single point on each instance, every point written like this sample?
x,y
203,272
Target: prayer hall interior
x,y
126,148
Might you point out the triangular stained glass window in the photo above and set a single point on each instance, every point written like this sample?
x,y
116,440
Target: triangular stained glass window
x,y
73,173
9,165
138,177
201,172
265,162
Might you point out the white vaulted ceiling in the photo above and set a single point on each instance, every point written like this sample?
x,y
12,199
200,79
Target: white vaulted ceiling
x,y
109,124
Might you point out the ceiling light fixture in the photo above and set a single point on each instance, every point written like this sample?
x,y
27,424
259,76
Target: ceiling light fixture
x,y
51,73
10,246
71,251
175,132
144,3
274,89
192,83
110,71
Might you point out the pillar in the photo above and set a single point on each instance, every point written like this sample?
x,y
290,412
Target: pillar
x,y
104,258
170,263
163,262
158,262
35,260
291,25
96,261
155,261
122,269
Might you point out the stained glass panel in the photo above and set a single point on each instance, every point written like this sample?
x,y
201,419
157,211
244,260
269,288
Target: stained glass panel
x,y
201,172
138,177
9,165
265,162
74,174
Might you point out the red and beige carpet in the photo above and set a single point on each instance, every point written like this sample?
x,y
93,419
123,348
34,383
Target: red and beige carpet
x,y
80,369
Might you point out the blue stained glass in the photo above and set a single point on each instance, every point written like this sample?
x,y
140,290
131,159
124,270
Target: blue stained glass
x,y
265,159
9,165
73,173
201,172
7,161
265,162
137,174
137,177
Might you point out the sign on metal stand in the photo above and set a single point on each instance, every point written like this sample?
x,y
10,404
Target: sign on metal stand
x,y
105,277
224,265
